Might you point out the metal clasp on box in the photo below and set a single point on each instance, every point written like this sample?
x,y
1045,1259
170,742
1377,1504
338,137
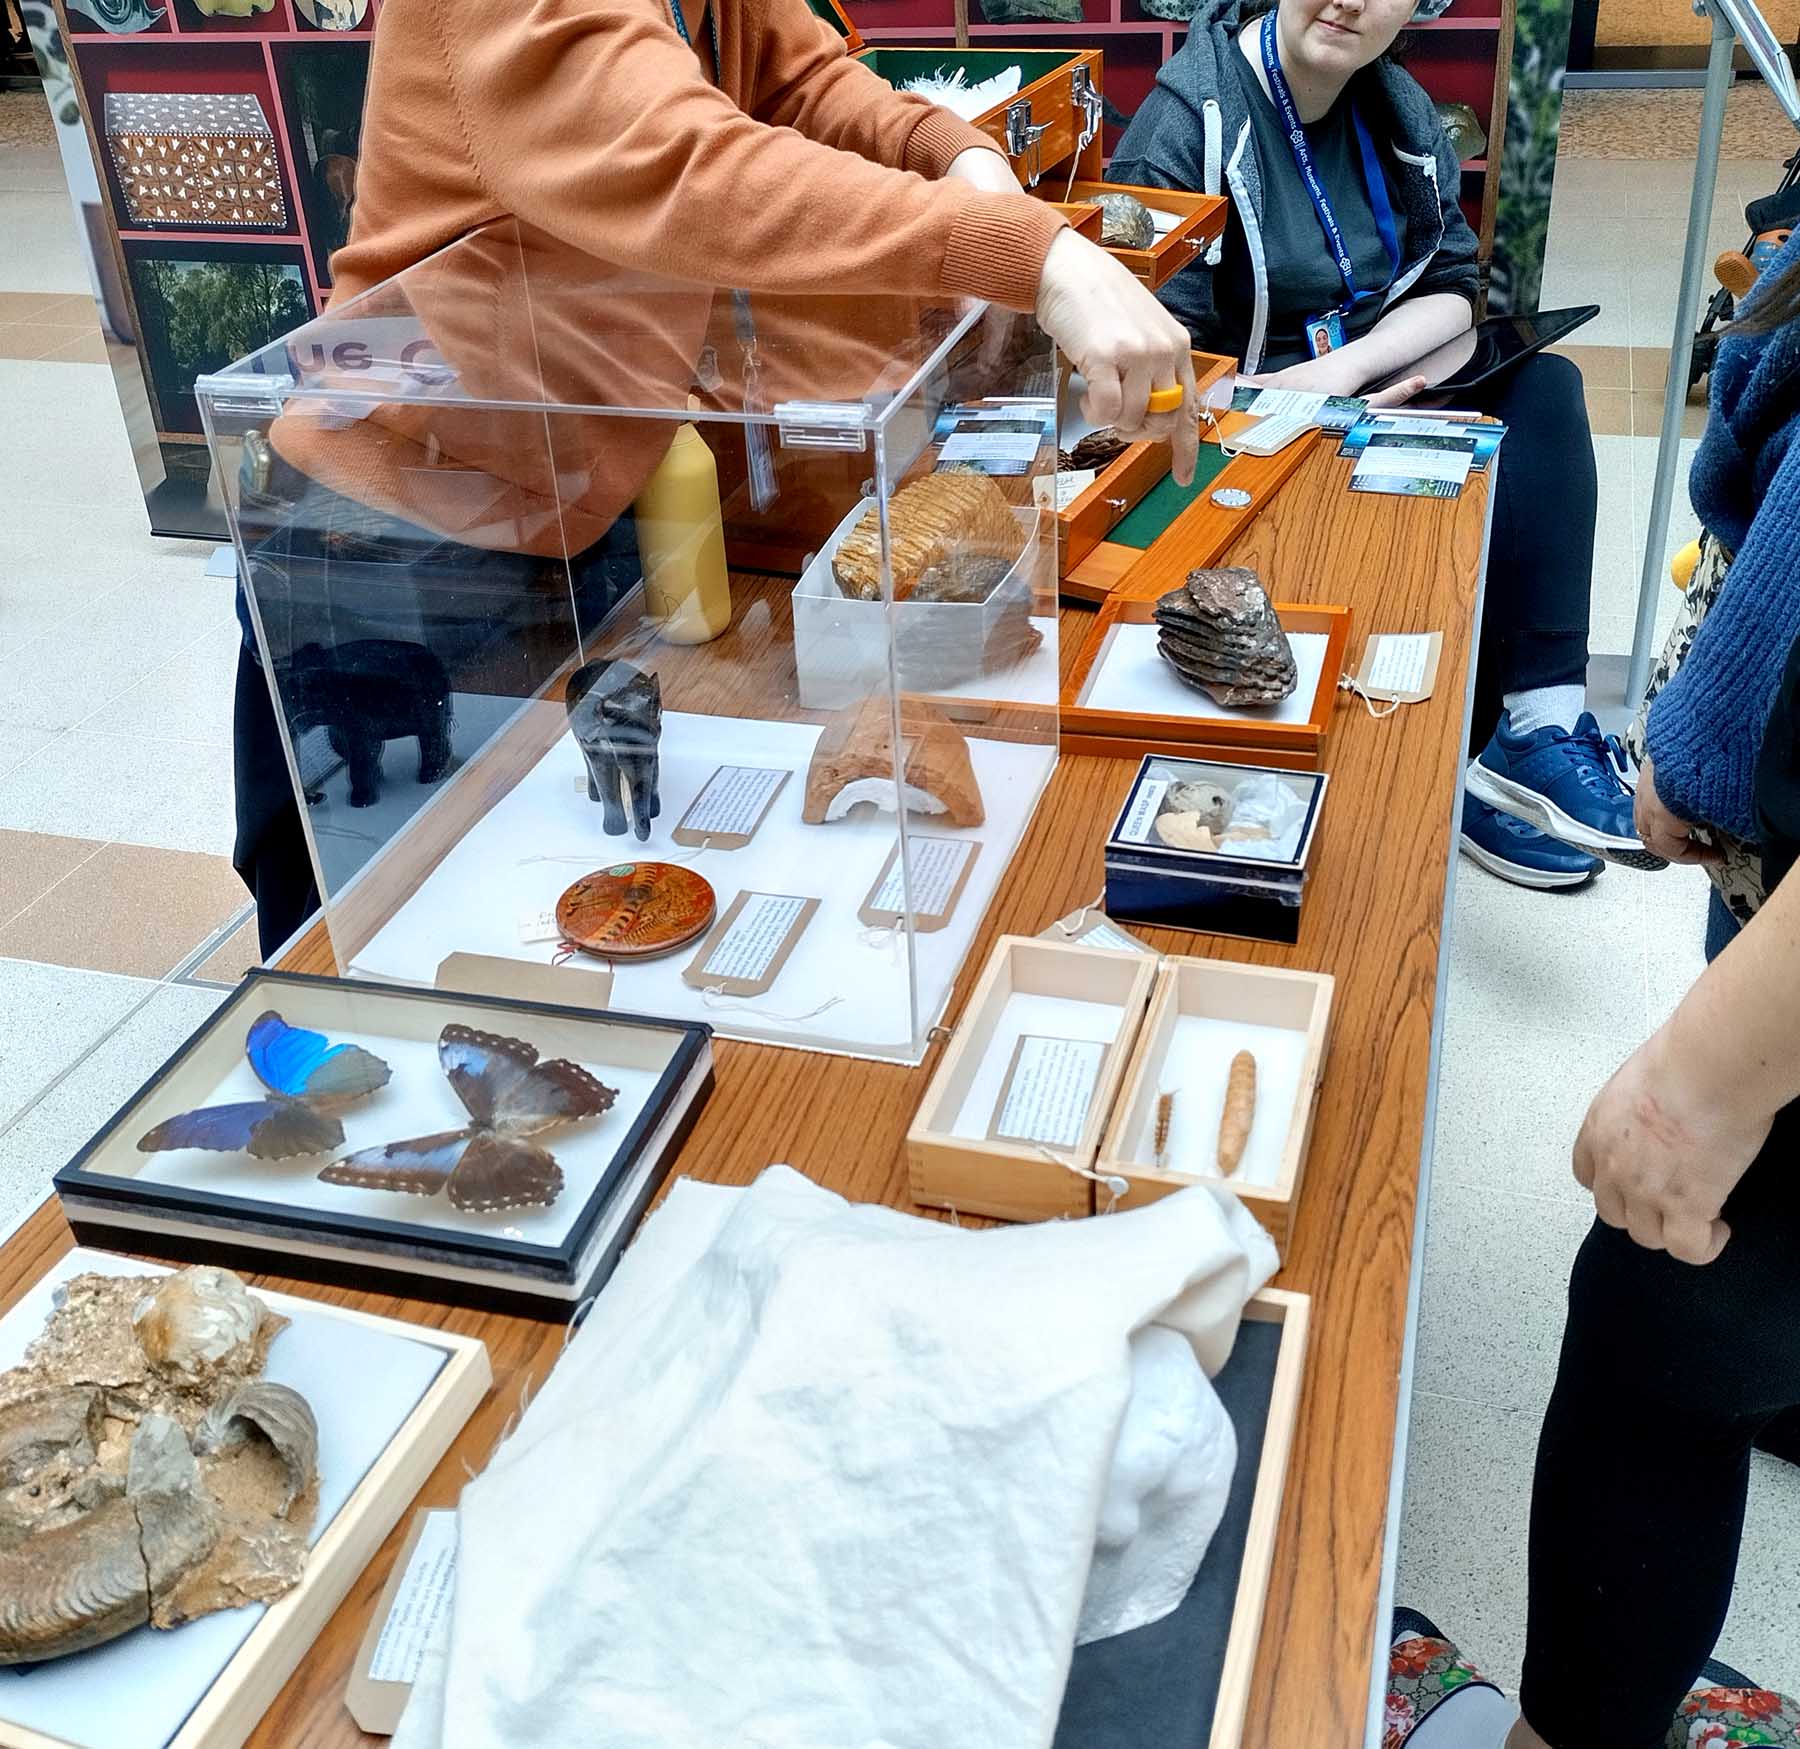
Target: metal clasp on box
x,y
241,392
1088,102
822,425
1025,141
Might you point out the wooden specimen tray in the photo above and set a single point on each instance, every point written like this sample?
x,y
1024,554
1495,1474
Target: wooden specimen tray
x,y
1245,736
1087,520
953,1160
254,1674
1191,994
1202,218
1198,535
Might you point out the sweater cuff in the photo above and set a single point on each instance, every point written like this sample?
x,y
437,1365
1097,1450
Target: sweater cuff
x,y
997,248
939,140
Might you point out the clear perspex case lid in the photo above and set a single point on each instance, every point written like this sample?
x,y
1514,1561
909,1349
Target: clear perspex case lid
x,y
707,634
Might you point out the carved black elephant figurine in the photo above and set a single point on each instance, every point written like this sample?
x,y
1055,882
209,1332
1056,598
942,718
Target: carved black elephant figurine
x,y
368,692
615,715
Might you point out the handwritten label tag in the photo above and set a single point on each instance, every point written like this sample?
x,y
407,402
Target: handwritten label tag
x,y
731,805
1048,1088
747,947
1136,828
940,870
536,926
1401,666
425,1593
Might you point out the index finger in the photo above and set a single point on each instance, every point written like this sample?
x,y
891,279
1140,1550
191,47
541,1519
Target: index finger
x,y
1184,445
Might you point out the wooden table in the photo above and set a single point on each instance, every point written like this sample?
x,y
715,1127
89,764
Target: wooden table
x,y
1373,918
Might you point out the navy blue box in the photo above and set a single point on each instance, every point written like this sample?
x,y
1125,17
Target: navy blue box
x,y
1213,892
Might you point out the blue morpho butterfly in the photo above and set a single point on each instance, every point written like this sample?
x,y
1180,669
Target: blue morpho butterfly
x,y
488,1164
310,1080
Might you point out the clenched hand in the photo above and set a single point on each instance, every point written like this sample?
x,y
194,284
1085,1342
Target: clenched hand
x,y
1123,342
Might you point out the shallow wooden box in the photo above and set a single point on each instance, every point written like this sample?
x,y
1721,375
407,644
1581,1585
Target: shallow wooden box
x,y
1202,218
1198,534
1015,1181
256,1672
1086,521
1206,1649
1290,1068
1237,736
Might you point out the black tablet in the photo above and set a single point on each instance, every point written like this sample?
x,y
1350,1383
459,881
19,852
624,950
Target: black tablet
x,y
1500,342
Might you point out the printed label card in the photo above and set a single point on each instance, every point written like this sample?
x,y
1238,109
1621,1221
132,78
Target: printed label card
x,y
731,806
746,949
940,870
1048,1089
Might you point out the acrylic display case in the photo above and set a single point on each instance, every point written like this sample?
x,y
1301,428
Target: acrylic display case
x,y
471,517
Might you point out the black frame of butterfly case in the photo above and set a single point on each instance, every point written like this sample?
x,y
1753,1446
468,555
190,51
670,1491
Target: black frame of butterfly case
x,y
364,1252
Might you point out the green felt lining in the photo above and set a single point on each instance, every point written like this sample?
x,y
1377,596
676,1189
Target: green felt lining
x,y
1148,520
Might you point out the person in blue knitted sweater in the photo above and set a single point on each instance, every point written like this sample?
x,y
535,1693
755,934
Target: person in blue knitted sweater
x,y
1709,694
1682,1348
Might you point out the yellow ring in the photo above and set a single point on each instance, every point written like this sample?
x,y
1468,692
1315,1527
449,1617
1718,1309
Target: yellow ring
x,y
1165,400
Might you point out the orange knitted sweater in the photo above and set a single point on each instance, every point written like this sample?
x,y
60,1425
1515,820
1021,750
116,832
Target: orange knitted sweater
x,y
591,120
616,183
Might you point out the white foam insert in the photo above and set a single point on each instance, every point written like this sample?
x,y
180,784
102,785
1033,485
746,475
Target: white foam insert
x,y
136,1691
1044,1016
473,899
417,1101
1130,674
1195,1069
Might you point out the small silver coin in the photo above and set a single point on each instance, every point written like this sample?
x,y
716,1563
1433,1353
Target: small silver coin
x,y
1231,498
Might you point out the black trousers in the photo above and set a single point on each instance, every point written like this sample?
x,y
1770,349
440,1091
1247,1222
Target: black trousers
x,y
1669,1373
1534,627
331,574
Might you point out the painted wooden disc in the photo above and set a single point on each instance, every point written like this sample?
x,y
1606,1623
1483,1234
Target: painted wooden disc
x,y
635,910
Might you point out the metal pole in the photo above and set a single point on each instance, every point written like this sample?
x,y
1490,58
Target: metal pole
x,y
1687,313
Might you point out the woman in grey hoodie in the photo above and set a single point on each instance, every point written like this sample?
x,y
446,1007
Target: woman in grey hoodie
x,y
1345,261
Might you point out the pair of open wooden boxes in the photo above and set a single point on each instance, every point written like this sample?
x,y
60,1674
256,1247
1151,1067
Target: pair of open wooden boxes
x,y
1150,1027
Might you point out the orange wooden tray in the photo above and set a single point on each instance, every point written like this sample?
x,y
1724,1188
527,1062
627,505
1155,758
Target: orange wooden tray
x,y
1238,739
1202,219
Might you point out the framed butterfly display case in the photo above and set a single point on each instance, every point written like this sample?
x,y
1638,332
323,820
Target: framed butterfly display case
x,y
452,1147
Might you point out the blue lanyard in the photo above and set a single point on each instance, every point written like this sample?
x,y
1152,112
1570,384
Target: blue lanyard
x,y
1376,182
712,18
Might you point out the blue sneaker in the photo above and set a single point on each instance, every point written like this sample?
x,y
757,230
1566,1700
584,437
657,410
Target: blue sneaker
x,y
1566,785
1519,853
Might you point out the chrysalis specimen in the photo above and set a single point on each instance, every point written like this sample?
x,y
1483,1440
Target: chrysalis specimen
x,y
1165,1110
1239,1113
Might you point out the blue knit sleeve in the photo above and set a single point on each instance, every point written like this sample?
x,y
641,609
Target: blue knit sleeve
x,y
1705,728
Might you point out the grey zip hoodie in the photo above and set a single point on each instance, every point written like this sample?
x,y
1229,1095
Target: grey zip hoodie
x,y
1193,131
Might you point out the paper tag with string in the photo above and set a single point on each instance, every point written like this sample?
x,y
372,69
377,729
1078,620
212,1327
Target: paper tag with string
x,y
1398,667
1091,927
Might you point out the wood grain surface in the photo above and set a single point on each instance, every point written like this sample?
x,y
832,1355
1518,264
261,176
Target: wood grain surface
x,y
1373,918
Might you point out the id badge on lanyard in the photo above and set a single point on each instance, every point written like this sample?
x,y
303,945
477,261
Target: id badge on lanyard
x,y
1325,332
760,457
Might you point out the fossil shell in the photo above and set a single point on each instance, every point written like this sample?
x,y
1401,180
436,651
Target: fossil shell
x,y
198,1324
273,1412
1125,222
1211,803
86,1582
56,1426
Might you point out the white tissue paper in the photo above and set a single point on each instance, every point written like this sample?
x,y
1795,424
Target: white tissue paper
x,y
815,1475
1265,801
952,90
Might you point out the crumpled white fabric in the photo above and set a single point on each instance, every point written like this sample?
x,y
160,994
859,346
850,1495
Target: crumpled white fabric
x,y
816,1475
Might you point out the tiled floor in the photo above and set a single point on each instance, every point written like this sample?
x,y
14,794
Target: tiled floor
x,y
116,654
1549,993
116,893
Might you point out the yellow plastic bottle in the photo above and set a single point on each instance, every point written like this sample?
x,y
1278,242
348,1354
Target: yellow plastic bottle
x,y
681,541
